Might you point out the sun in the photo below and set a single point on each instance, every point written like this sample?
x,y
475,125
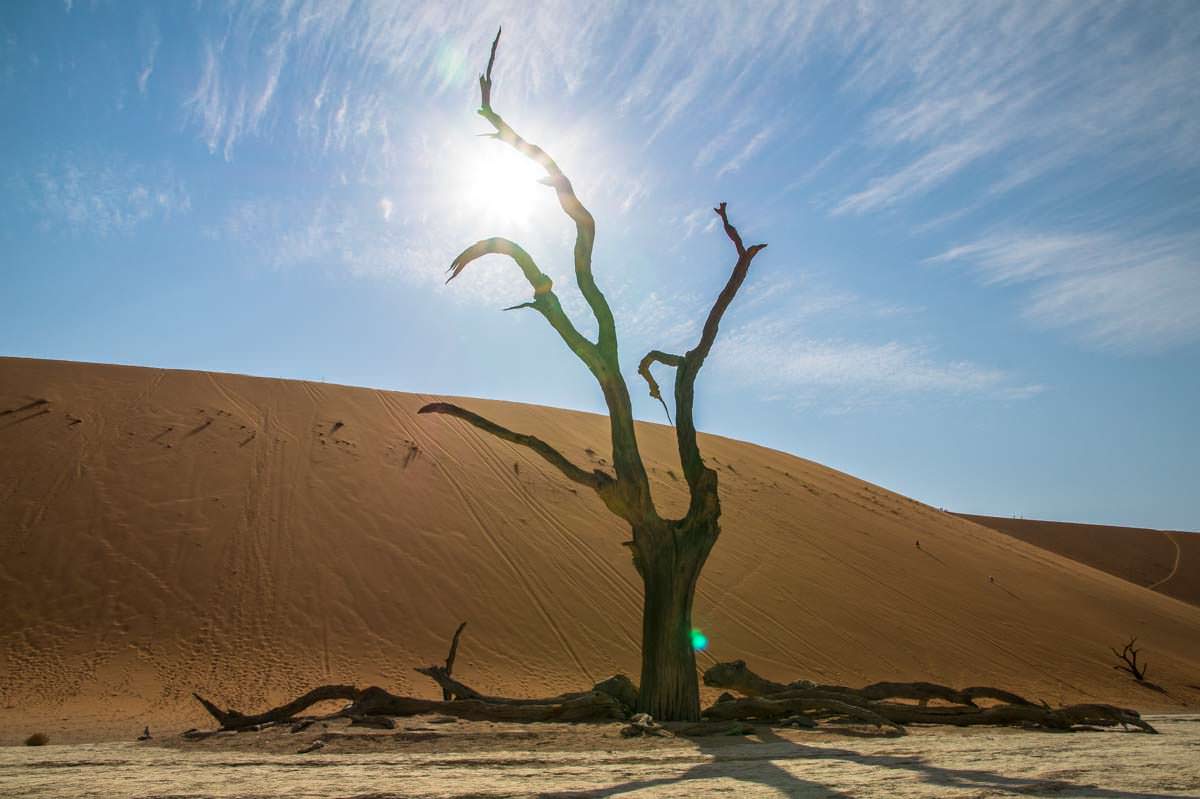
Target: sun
x,y
501,185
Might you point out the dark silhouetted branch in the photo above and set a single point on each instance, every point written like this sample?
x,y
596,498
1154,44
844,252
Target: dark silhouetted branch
x,y
233,720
596,480
769,700
1129,660
451,655
631,495
701,480
644,370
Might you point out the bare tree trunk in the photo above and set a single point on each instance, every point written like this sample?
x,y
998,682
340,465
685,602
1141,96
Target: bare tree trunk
x,y
670,563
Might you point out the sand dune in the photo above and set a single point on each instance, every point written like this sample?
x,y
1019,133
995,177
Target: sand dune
x,y
165,531
1167,561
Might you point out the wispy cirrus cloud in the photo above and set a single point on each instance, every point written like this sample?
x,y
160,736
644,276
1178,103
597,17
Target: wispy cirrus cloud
x,y
1132,293
148,60
1005,93
102,197
777,358
1041,86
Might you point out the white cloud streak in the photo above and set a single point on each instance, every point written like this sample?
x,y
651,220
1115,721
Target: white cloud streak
x,y
1010,93
1129,293
775,357
105,199
143,78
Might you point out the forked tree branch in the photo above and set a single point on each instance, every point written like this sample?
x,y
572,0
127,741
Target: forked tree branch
x,y
699,477
545,301
597,480
629,497
585,224
745,256
1129,660
644,370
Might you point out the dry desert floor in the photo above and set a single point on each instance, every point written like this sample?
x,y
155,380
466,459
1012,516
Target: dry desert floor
x,y
475,759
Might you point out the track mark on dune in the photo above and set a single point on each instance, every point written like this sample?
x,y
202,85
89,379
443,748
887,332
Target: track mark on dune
x,y
933,612
27,406
1175,566
21,419
747,620
249,415
198,428
478,518
622,589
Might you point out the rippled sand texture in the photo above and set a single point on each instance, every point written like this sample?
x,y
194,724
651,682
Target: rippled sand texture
x,y
593,761
169,531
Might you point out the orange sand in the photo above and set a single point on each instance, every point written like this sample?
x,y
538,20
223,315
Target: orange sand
x,y
249,538
1166,560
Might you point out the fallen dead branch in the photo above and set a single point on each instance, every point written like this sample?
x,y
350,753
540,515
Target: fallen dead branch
x,y
767,700
798,703
234,720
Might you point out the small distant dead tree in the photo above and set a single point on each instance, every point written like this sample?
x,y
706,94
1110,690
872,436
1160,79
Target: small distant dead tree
x,y
667,553
1129,660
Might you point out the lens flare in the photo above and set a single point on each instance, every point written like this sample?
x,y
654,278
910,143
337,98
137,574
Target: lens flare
x,y
699,641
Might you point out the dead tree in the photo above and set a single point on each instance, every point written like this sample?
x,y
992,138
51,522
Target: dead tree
x,y
1129,660
667,553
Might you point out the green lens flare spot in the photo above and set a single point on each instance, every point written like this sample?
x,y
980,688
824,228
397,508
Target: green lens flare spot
x,y
699,641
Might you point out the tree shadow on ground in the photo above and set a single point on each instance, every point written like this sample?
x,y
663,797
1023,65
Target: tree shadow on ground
x,y
759,762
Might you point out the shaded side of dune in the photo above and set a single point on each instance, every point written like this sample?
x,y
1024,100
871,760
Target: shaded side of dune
x,y
1167,561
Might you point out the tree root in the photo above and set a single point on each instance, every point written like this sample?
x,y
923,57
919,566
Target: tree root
x,y
768,700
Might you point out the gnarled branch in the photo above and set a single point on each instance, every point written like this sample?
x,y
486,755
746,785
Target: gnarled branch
x,y
501,246
644,370
1129,660
630,496
585,224
233,720
545,301
701,480
597,480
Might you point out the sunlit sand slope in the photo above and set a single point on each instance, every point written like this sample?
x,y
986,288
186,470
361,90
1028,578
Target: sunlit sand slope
x,y
169,531
1167,561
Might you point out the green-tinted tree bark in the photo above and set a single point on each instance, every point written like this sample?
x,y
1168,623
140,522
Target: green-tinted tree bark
x,y
669,554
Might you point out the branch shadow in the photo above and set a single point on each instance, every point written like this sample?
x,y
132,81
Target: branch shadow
x,y
731,760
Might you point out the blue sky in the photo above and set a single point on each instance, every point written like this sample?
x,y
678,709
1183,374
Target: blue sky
x,y
983,281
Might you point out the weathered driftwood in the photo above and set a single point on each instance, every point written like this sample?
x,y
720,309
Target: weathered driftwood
x,y
736,676
233,720
588,706
1061,718
368,720
768,700
619,687
766,709
370,704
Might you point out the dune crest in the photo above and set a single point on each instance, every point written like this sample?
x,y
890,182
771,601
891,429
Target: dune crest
x,y
1167,561
168,531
